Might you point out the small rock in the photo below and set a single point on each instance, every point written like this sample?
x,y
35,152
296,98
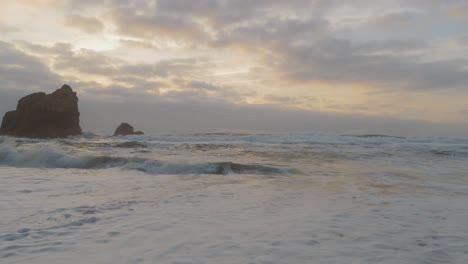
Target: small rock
x,y
125,129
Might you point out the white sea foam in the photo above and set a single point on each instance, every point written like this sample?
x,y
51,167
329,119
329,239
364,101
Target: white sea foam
x,y
52,155
286,199
38,156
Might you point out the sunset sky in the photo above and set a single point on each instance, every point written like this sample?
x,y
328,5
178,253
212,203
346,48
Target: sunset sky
x,y
180,66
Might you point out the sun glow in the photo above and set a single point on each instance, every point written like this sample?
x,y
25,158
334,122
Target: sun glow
x,y
97,43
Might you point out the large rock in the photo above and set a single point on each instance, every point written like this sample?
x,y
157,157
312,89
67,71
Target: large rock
x,y
41,115
125,129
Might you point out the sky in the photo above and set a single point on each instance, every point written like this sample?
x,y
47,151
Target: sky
x,y
395,67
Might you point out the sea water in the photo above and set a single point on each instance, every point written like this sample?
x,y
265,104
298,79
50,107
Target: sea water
x,y
234,198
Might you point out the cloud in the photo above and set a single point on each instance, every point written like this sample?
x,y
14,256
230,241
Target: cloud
x,y
459,11
392,47
341,60
59,48
88,62
103,107
6,29
295,44
166,68
463,40
162,26
393,21
130,81
281,100
91,62
199,85
229,12
42,3
199,23
22,72
89,25
287,52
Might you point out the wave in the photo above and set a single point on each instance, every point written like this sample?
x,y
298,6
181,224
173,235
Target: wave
x,y
52,156
131,144
449,153
79,144
373,136
218,168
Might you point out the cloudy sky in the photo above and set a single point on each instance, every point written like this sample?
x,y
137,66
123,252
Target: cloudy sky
x,y
181,66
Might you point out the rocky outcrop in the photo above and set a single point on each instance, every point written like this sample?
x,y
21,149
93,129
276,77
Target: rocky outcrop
x,y
41,115
125,129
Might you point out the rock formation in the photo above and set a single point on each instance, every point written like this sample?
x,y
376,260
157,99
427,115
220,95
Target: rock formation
x,y
125,129
41,115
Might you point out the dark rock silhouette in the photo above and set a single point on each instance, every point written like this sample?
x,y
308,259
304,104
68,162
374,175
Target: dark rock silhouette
x,y
41,115
125,129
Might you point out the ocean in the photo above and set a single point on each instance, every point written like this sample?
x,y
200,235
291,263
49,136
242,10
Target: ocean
x,y
234,198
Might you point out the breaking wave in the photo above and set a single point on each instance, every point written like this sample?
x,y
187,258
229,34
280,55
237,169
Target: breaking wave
x,y
52,156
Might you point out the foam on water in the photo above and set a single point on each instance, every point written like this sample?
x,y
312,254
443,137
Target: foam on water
x,y
289,198
52,155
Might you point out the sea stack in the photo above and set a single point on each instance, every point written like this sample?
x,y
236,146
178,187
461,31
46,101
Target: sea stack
x,y
41,115
125,129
